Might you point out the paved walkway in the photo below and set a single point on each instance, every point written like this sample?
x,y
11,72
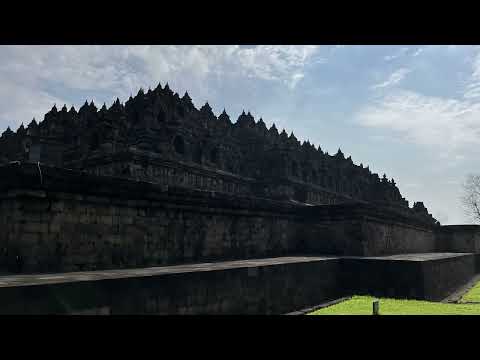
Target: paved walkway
x,y
44,279
458,294
58,278
411,257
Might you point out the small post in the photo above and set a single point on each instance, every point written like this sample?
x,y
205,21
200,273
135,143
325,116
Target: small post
x,y
376,307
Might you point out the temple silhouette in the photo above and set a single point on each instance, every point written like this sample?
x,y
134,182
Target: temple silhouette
x,y
159,137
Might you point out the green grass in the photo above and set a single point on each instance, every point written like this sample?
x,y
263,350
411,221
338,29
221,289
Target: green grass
x,y
362,305
473,295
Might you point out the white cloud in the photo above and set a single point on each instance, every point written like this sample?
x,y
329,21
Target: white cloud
x,y
294,80
34,77
19,105
432,121
275,62
448,124
393,79
399,53
473,86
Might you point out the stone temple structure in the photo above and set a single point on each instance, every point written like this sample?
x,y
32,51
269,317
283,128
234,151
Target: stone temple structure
x,y
170,201
162,138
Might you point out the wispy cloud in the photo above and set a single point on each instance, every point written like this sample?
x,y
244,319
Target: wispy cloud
x,y
472,90
294,80
34,77
432,121
446,123
399,53
275,62
393,79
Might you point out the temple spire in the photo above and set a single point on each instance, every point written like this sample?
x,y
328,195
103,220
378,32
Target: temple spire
x,y
273,129
21,129
224,116
167,88
207,110
186,97
7,132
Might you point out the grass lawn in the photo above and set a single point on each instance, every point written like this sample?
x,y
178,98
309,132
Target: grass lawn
x,y
473,295
362,305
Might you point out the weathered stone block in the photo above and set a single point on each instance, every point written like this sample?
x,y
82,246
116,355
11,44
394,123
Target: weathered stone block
x,y
34,227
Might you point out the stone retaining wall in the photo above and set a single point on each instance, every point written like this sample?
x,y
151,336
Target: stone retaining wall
x,y
459,238
55,219
364,230
275,289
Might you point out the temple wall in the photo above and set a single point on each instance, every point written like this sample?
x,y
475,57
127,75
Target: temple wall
x,y
174,175
356,231
60,220
196,177
69,232
459,238
369,238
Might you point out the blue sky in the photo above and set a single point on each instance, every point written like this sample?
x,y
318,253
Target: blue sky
x,y
412,112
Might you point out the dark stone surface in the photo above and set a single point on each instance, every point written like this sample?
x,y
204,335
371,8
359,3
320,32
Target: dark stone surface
x,y
413,276
477,263
262,286
56,220
364,230
268,286
458,238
